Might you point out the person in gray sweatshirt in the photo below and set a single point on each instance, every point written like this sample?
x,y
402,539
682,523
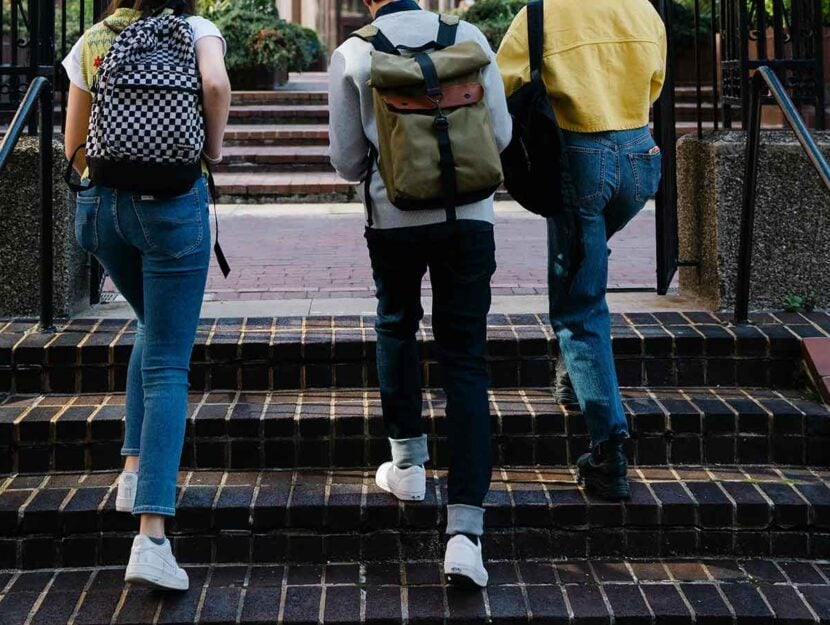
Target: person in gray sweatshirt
x,y
460,257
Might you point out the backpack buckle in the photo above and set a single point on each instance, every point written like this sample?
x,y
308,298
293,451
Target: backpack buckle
x,y
441,123
435,94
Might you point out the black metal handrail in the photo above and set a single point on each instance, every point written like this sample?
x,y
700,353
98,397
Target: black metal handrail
x,y
40,91
766,77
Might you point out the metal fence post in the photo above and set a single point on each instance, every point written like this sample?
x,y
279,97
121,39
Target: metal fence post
x,y
44,58
753,144
47,264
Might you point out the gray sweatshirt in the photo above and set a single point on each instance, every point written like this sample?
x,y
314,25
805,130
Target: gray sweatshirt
x,y
352,125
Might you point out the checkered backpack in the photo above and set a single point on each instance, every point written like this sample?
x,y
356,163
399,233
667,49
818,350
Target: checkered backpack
x,y
146,130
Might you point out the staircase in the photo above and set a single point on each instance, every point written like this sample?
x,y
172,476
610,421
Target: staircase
x,y
279,520
277,144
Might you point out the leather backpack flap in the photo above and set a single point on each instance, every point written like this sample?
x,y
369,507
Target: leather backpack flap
x,y
454,96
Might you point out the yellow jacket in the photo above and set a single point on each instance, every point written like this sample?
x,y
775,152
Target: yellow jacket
x,y
604,61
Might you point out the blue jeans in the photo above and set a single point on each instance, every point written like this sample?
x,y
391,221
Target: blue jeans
x,y
613,175
461,258
157,252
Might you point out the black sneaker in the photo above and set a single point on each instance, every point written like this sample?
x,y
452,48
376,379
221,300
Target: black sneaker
x,y
563,391
604,471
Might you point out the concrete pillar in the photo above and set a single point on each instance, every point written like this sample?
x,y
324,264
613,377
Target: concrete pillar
x,y
20,237
790,256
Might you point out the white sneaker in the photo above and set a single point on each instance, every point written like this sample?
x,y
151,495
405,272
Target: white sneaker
x,y
155,566
127,486
463,563
408,484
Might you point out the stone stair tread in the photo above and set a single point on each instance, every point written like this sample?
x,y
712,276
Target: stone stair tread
x,y
278,128
280,108
281,182
580,592
276,150
250,157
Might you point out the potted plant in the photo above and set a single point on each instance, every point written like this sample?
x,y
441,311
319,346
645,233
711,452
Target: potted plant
x,y
262,48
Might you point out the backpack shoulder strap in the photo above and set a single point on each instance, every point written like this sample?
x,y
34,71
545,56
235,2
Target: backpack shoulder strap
x,y
536,37
447,30
374,35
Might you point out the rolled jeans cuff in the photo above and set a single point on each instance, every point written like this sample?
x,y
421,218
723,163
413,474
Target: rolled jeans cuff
x,y
409,451
464,519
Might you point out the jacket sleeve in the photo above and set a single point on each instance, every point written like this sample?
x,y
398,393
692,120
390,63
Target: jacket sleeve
x,y
349,148
659,77
495,97
513,57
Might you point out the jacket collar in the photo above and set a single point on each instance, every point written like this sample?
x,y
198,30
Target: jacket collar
x,y
397,7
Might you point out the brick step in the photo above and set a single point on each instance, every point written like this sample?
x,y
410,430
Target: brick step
x,y
283,187
317,134
683,94
344,428
661,349
655,350
291,98
270,158
579,592
278,135
280,114
313,516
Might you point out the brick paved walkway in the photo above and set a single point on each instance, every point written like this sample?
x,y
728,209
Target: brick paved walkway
x,y
303,252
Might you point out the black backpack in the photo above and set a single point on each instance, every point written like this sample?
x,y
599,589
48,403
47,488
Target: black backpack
x,y
535,162
146,129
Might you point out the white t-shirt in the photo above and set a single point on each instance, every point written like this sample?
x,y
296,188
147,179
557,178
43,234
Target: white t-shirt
x,y
72,63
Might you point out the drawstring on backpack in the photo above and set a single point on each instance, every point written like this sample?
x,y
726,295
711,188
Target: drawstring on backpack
x,y
217,248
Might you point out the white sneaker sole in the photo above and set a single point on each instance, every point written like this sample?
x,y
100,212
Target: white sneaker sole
x,y
152,577
122,504
466,576
400,494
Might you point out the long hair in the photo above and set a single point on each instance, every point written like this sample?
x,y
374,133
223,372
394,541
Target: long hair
x,y
147,6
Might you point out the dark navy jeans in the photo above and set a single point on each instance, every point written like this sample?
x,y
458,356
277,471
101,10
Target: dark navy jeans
x,y
157,253
460,257
613,175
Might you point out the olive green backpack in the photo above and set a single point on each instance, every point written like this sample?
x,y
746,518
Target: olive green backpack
x,y
436,148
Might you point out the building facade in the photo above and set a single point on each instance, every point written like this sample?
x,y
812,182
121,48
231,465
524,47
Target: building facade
x,y
335,19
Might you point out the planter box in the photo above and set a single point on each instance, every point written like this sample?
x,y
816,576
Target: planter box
x,y
791,255
20,237
258,79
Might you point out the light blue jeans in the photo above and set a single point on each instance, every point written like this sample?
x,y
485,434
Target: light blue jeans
x,y
157,252
613,175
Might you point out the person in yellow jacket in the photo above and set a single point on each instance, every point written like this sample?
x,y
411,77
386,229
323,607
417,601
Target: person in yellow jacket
x,y
604,65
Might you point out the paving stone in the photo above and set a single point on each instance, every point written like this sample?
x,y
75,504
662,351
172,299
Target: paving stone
x,y
747,604
787,605
707,604
302,605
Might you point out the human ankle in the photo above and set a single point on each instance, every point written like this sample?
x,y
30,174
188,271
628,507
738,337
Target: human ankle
x,y
152,526
131,464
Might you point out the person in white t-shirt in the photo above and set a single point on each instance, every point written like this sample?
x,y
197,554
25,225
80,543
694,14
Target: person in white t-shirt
x,y
157,252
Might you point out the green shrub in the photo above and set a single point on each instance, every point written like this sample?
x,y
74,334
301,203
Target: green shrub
x,y
257,36
214,9
683,25
494,17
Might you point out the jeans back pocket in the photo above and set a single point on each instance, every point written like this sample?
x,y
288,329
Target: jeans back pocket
x,y
174,226
587,168
648,170
86,222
